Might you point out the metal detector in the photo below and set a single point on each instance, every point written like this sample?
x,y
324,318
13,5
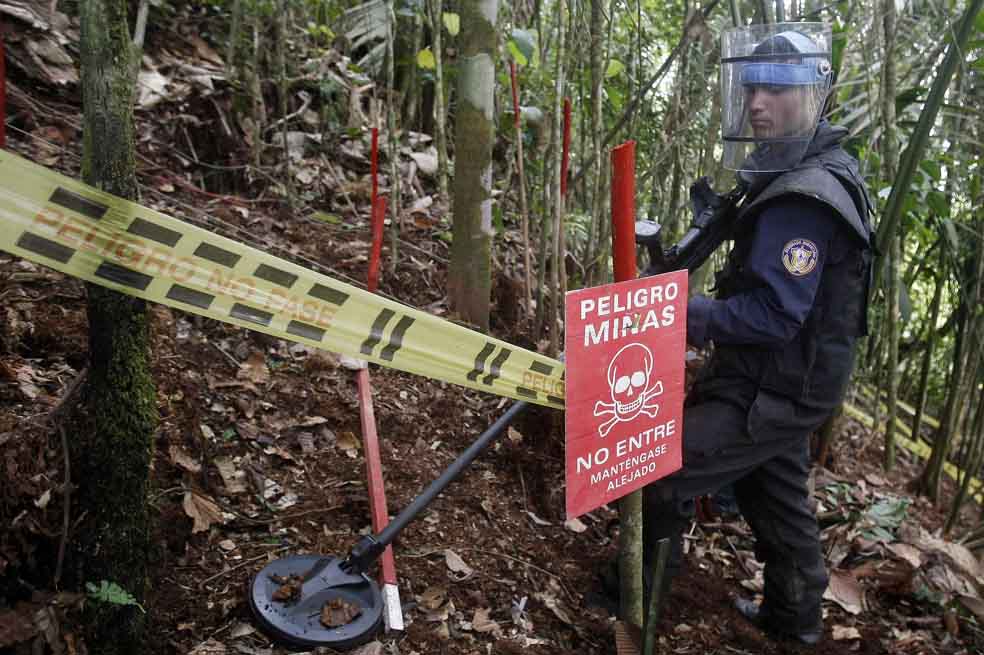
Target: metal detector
x,y
290,596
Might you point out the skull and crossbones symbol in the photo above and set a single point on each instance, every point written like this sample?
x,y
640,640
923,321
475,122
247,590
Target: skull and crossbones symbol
x,y
632,389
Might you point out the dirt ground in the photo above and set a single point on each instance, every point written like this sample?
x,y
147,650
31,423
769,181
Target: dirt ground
x,y
259,456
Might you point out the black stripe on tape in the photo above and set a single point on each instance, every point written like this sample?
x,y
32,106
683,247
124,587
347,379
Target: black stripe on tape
x,y
123,275
496,367
376,332
526,393
275,275
251,314
304,330
396,338
480,361
218,255
190,296
541,368
555,399
45,247
78,203
157,233
334,296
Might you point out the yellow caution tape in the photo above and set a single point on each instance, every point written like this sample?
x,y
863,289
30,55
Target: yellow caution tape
x,y
73,228
920,449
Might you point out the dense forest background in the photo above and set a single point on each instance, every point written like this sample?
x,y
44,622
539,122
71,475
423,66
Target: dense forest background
x,y
254,118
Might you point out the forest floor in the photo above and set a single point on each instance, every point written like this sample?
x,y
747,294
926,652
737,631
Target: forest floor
x,y
258,454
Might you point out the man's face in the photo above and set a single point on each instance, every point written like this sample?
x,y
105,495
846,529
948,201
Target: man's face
x,y
775,111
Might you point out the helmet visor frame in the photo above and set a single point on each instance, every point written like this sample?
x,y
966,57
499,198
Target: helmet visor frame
x,y
775,80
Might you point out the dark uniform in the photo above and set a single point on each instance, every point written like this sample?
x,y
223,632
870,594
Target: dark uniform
x,y
790,304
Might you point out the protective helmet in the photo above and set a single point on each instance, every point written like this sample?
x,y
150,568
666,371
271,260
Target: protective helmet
x,y
774,82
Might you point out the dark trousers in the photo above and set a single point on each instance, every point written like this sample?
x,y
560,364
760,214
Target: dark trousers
x,y
723,444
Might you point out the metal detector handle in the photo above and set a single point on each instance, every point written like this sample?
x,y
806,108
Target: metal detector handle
x,y
370,547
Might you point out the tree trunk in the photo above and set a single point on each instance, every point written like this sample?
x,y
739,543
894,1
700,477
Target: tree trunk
x,y
971,469
440,109
112,455
595,247
890,154
966,363
893,320
469,275
395,196
932,336
558,270
929,483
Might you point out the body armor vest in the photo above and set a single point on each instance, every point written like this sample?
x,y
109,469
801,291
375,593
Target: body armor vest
x,y
814,367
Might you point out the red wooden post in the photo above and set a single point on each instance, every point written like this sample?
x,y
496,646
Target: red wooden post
x,y
393,611
623,211
374,481
567,149
378,218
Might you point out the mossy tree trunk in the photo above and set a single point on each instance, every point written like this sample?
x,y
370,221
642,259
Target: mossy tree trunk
x,y
470,274
891,150
932,338
113,452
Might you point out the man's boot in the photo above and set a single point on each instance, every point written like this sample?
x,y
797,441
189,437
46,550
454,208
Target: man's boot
x,y
753,612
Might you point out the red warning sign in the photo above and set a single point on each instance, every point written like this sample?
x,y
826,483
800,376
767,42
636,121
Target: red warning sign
x,y
624,352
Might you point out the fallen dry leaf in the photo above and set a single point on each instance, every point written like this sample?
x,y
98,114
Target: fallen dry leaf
x,y
233,478
482,623
180,458
202,510
457,565
348,444
241,630
575,525
15,627
210,647
906,552
555,605
845,590
875,480
43,501
289,590
372,648
338,612
842,632
254,369
975,605
432,598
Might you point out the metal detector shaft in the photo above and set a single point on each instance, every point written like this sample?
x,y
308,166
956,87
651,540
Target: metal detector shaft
x,y
369,548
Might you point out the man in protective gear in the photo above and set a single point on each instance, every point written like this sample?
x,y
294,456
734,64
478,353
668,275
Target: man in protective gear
x,y
789,306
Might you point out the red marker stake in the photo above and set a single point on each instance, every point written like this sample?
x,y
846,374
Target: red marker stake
x,y
393,609
623,211
623,254
378,218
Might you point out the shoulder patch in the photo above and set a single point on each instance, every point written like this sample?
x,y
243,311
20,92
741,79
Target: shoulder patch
x,y
799,256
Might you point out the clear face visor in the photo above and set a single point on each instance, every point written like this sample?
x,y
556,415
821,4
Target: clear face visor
x,y
774,83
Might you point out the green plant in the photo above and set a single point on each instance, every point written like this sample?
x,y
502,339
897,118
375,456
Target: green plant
x,y
110,592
